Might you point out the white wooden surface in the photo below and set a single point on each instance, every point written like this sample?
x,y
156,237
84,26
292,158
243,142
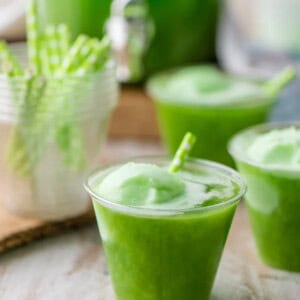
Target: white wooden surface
x,y
72,266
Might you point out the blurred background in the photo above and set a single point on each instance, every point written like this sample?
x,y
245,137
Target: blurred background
x,y
249,38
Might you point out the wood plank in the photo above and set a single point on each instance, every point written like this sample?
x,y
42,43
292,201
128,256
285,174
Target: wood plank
x,y
135,115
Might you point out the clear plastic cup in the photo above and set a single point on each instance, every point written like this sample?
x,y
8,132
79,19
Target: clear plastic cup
x,y
212,122
164,253
51,132
272,201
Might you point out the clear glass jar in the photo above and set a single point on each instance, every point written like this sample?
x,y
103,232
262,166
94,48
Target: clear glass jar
x,y
51,131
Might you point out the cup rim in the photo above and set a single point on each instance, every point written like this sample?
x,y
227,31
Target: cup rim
x,y
105,72
158,211
236,152
153,92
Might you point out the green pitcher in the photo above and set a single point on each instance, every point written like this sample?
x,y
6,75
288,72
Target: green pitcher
x,y
81,16
152,35
184,32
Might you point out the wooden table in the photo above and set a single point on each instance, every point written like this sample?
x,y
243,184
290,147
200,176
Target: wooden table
x,y
72,266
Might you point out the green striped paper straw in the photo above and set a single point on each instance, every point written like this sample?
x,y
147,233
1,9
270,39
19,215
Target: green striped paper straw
x,y
63,36
33,39
97,57
10,65
72,56
19,154
86,51
90,50
52,45
274,86
103,53
70,141
68,133
18,157
182,152
45,65
45,51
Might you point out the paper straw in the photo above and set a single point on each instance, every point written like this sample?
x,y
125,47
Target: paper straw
x,y
18,154
64,39
72,56
182,152
33,39
280,81
86,52
96,58
46,70
52,45
10,65
103,53
18,158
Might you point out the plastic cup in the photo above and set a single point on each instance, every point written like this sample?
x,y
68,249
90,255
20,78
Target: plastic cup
x,y
213,123
272,201
51,133
168,254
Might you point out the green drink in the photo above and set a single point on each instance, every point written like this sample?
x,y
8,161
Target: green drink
x,y
211,104
268,156
81,16
164,234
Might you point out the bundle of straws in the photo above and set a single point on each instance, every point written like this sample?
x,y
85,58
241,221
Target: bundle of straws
x,y
56,66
